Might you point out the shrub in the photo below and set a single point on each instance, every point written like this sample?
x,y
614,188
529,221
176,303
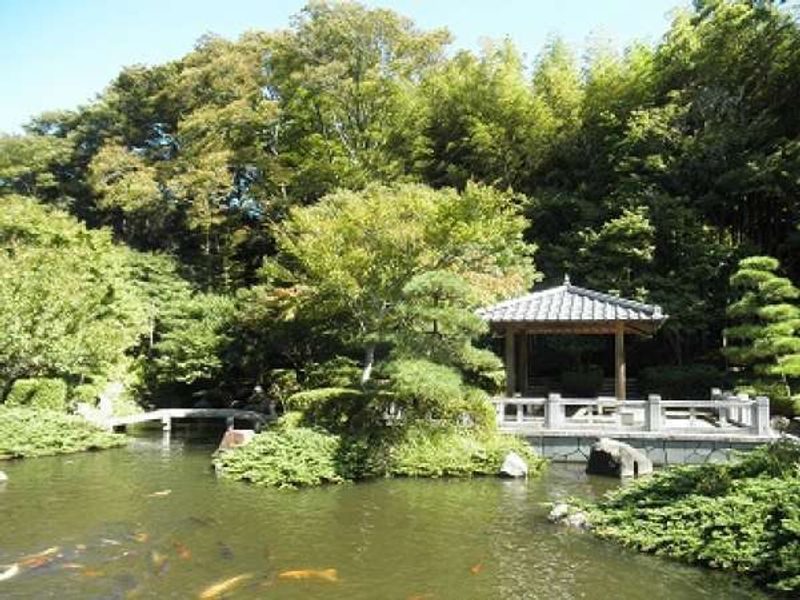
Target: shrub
x,y
743,516
47,394
430,451
26,432
284,458
681,382
425,388
482,368
339,372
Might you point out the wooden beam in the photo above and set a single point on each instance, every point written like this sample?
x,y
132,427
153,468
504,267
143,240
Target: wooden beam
x,y
523,366
510,363
619,362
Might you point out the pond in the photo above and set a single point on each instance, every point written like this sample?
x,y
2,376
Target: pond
x,y
152,521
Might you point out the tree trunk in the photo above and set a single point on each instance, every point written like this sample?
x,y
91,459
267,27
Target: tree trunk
x,y
369,360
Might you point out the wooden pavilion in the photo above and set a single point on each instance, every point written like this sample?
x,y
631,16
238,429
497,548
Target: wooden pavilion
x,y
567,310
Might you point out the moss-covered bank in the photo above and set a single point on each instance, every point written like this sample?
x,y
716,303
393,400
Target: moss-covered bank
x,y
27,432
743,516
288,456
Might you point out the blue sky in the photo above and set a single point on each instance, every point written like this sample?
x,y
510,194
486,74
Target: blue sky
x,y
60,53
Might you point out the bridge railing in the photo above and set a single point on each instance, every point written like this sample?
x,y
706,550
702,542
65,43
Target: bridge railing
x,y
724,412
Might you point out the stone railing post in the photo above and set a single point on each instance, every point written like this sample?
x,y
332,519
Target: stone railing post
x,y
553,412
499,411
745,413
760,416
722,411
653,419
520,413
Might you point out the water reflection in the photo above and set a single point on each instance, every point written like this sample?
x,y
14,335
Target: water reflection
x,y
482,539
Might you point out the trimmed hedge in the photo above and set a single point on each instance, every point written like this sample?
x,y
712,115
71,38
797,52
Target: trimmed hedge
x,y
26,432
289,457
744,516
42,393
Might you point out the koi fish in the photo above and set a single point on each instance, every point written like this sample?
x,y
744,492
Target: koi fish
x,y
223,587
331,575
160,494
10,572
92,573
141,537
77,566
40,558
475,569
159,561
182,551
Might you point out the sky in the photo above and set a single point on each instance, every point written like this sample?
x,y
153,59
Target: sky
x,y
59,54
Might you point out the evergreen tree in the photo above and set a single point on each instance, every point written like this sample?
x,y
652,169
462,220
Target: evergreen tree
x,y
765,341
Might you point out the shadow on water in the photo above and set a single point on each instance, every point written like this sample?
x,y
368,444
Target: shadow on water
x,y
152,521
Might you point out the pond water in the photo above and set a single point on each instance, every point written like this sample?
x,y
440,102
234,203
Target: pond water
x,y
396,539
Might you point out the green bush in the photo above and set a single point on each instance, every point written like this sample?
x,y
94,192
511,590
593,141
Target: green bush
x,y
482,368
47,394
685,382
289,456
284,458
339,372
26,432
582,383
429,451
743,516
425,388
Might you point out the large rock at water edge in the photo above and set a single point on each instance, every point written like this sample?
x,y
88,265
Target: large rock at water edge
x,y
564,514
514,466
617,459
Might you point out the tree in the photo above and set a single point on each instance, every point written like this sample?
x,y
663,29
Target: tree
x,y
65,307
765,339
345,76
352,255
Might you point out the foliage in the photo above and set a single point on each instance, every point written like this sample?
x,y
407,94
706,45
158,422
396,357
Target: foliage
x,y
42,393
26,432
294,456
451,452
742,516
65,306
765,338
683,382
351,255
285,458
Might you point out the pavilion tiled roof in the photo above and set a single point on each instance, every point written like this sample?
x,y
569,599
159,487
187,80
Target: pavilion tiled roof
x,y
569,303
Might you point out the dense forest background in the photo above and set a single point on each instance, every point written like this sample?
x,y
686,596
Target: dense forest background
x,y
140,223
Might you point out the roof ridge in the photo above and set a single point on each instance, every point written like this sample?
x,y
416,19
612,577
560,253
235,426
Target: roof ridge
x,y
626,302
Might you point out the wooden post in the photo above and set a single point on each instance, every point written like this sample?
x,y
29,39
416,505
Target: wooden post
x,y
619,361
510,363
523,359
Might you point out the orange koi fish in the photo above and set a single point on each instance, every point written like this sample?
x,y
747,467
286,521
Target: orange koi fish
x,y
223,587
331,575
183,552
475,569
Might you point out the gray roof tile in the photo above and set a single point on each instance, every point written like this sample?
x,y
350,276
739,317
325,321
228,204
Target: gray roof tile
x,y
570,303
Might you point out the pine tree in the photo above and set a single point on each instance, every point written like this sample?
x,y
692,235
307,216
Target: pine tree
x,y
765,339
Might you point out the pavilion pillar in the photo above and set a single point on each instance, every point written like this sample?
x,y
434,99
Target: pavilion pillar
x,y
620,386
510,363
524,359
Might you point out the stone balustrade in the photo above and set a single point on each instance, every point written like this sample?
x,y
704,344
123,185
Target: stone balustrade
x,y
724,413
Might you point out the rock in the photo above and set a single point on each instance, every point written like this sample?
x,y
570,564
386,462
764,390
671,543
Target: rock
x,y
617,459
558,513
514,466
564,514
3,477
235,437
